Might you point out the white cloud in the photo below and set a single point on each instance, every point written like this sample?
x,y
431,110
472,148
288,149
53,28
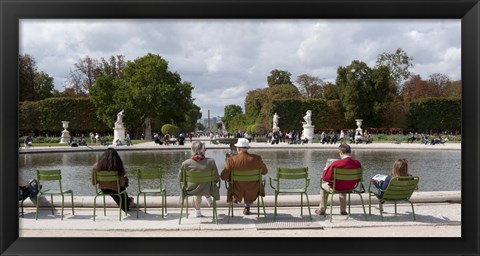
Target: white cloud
x,y
224,59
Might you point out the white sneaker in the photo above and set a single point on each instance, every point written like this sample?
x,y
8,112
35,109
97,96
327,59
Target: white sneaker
x,y
198,213
209,201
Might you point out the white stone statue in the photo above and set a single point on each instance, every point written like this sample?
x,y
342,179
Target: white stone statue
x,y
119,121
308,118
275,120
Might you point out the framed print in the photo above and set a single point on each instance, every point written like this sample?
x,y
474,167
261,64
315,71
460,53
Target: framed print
x,y
13,12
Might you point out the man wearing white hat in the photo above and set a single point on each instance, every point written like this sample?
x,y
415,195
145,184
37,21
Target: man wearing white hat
x,y
247,191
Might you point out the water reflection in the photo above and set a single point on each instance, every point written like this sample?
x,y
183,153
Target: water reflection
x,y
438,170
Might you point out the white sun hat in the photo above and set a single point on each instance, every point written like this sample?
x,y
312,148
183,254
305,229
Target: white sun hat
x,y
242,143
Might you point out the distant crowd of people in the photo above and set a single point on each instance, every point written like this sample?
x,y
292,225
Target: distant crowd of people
x,y
273,137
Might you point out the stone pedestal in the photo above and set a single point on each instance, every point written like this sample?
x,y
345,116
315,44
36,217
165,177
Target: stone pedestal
x,y
359,123
65,138
118,134
276,129
148,130
148,134
308,132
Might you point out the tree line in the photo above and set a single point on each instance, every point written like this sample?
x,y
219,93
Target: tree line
x,y
385,96
150,94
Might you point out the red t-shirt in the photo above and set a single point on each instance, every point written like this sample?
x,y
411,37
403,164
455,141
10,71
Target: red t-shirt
x,y
345,163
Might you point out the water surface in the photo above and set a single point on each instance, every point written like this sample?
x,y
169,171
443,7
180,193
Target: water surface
x,y
438,170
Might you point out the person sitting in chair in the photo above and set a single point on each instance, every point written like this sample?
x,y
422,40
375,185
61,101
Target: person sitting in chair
x,y
199,163
345,162
244,161
400,168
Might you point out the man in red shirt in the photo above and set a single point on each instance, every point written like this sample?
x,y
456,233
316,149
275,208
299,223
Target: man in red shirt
x,y
345,162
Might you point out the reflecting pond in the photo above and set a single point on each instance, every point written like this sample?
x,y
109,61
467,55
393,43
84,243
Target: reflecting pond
x,y
439,170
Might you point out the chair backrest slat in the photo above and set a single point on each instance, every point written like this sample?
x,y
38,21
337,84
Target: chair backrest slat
x,y
106,176
199,177
149,173
348,174
246,175
49,175
292,173
401,188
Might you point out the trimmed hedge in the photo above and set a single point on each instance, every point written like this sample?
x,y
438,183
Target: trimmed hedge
x,y
292,111
437,114
47,116
171,129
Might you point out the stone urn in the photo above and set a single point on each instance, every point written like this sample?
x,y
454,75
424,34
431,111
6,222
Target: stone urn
x,y
65,138
359,123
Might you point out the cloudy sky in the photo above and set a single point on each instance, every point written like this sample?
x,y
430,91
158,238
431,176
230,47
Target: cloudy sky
x,y
224,59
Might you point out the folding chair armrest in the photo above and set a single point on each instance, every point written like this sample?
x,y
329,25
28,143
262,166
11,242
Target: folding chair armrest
x,y
374,188
271,184
181,184
308,182
362,188
218,183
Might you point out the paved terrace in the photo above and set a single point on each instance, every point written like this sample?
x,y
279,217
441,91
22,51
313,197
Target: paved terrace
x,y
253,145
438,214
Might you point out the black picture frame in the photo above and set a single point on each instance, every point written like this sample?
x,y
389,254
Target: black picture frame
x,y
13,10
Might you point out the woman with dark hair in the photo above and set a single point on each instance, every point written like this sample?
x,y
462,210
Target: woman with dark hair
x,y
111,161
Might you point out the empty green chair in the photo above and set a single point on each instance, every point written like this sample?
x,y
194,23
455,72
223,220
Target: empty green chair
x,y
51,176
246,176
108,176
291,174
398,189
345,174
198,177
150,181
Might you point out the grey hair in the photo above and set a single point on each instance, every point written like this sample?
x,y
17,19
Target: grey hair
x,y
198,148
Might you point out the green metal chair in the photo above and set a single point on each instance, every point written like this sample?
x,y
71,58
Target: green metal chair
x,y
345,174
150,181
198,177
291,174
51,175
246,176
108,176
398,189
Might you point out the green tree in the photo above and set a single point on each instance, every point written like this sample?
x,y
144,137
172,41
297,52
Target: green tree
x,y
330,91
398,63
199,127
230,114
277,77
33,85
364,93
26,76
454,90
147,90
254,102
113,67
43,85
